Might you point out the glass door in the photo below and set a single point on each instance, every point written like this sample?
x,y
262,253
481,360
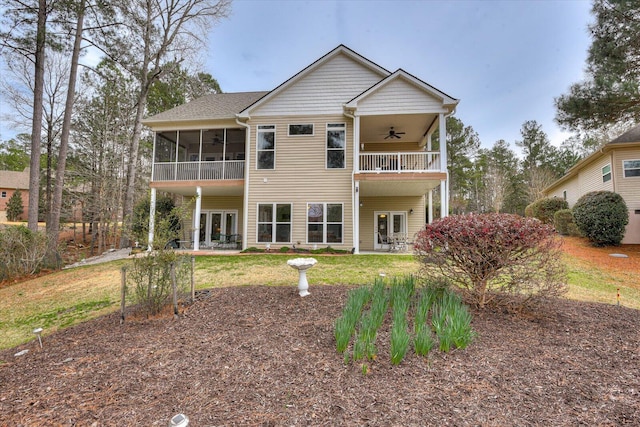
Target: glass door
x,y
389,228
382,231
216,225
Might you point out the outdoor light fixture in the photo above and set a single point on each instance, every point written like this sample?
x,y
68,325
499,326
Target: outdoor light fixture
x,y
410,211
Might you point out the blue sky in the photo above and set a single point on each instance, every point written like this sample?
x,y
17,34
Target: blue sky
x,y
505,60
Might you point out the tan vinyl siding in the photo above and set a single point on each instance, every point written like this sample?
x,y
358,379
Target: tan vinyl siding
x,y
370,205
323,91
300,175
591,176
399,97
629,189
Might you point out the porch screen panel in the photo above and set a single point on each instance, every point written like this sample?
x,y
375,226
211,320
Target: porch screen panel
x,y
166,146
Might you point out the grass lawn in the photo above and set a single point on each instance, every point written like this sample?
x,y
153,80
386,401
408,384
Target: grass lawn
x,y
71,296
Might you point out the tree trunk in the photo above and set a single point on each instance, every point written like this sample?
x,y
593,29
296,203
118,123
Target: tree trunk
x,y
36,127
54,225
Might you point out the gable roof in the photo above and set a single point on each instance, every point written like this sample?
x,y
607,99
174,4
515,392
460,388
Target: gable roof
x,y
340,50
14,180
213,106
401,74
630,137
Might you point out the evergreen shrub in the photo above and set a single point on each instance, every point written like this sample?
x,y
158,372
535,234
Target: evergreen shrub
x,y
562,221
601,216
544,209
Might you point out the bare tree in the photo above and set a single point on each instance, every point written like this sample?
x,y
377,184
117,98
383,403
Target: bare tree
x,y
152,32
17,35
53,224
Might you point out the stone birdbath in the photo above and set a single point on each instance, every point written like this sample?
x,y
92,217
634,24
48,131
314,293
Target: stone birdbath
x,y
302,265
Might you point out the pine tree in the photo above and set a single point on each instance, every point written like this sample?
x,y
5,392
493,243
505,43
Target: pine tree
x,y
14,206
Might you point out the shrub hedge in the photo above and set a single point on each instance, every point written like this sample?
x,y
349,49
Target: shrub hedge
x,y
544,209
602,217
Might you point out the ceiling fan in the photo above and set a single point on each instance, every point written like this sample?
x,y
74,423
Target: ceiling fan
x,y
394,134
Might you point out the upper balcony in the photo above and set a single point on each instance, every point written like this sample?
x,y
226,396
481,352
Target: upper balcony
x,y
400,162
198,171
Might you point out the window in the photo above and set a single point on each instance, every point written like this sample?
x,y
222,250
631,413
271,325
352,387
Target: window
x,y
324,223
3,194
301,129
336,145
606,173
266,140
274,223
564,194
631,168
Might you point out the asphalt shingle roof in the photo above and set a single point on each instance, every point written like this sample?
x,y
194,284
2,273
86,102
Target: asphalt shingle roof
x,y
632,135
214,106
14,180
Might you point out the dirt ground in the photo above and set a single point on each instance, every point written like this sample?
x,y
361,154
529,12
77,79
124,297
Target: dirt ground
x,y
264,356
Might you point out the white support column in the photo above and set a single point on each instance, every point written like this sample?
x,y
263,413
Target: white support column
x,y
196,222
356,185
444,185
430,208
152,219
356,219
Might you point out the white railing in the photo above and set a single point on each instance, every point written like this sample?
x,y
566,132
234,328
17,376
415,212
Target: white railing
x,y
195,171
423,161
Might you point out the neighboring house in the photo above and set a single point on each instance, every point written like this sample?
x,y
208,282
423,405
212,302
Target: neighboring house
x,y
614,167
338,155
11,181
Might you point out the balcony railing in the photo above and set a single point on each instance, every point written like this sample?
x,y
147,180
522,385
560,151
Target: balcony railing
x,y
195,171
423,161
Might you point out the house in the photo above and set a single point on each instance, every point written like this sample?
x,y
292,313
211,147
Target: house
x,y
338,155
10,181
614,167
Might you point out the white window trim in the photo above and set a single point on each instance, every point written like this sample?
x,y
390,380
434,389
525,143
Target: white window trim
x,y
274,222
325,223
265,129
607,173
313,129
624,170
335,126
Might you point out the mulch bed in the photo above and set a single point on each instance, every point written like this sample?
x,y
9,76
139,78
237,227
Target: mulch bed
x,y
264,356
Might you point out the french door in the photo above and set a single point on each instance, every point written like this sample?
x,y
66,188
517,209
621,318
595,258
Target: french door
x,y
387,225
216,223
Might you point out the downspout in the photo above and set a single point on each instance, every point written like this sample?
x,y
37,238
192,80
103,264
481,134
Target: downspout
x,y
247,162
355,187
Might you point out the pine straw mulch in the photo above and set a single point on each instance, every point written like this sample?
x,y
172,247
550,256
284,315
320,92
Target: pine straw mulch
x,y
264,356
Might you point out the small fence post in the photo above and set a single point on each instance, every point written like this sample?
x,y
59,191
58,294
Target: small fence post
x,y
193,282
174,286
123,275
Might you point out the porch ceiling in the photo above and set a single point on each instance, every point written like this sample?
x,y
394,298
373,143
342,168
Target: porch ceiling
x,y
219,188
376,128
396,187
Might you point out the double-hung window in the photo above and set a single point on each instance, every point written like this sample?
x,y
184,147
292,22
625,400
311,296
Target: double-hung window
x,y
325,223
606,173
631,168
336,145
274,222
266,146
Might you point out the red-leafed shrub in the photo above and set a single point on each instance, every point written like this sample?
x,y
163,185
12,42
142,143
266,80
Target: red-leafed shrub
x,y
497,259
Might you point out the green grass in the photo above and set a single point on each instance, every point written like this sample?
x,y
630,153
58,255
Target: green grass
x,y
70,296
